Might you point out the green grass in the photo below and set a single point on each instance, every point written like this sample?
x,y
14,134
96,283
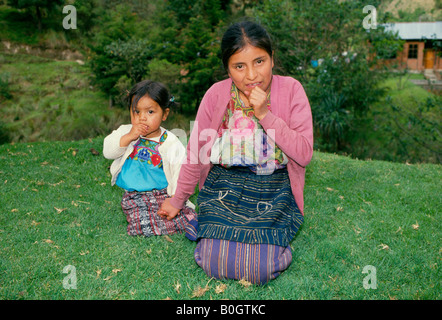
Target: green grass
x,y
53,100
58,209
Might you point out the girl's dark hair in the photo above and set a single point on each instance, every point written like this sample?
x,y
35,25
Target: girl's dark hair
x,y
239,34
155,90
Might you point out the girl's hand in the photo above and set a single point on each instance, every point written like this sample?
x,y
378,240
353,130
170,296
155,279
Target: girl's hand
x,y
134,133
138,130
167,210
258,100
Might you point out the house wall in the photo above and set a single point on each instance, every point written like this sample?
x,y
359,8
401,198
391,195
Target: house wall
x,y
418,63
414,64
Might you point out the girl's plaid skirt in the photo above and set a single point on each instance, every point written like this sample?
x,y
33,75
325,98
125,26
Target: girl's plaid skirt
x,y
141,210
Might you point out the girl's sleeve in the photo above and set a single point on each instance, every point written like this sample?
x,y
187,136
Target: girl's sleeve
x,y
294,137
111,144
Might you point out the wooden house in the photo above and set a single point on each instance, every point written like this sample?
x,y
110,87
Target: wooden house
x,y
420,50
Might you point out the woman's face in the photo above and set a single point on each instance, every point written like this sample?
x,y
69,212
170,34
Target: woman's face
x,y
251,67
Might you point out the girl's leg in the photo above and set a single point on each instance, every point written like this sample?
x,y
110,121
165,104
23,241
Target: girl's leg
x,y
141,214
135,210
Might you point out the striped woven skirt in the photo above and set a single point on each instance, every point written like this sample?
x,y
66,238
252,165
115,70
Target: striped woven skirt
x,y
245,224
255,263
140,209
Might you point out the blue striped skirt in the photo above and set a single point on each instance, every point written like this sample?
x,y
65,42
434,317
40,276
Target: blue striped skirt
x,y
255,263
245,224
238,205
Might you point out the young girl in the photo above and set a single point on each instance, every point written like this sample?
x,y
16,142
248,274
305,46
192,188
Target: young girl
x,y
147,160
251,202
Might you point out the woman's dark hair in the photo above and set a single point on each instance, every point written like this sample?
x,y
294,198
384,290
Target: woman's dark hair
x,y
157,91
239,34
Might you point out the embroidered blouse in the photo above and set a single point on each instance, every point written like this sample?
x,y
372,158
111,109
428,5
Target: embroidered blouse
x,y
143,169
243,142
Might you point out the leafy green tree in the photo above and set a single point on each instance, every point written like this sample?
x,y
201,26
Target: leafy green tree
x,y
324,45
118,48
40,7
194,46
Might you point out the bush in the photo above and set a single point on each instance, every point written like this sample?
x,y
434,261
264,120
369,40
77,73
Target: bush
x,y
5,92
324,45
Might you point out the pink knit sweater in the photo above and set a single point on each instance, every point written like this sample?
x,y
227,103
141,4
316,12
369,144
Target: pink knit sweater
x,y
290,117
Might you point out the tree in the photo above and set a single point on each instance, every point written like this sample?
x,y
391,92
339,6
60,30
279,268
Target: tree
x,y
194,45
40,7
324,45
118,48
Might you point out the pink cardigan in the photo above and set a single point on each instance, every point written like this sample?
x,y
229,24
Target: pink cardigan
x,y
290,117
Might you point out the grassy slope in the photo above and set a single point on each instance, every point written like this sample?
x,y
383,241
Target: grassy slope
x,y
381,138
52,100
59,209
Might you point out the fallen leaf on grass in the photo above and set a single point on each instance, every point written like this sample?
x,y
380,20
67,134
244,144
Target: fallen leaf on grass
x,y
35,223
167,238
75,203
48,240
245,283
83,253
98,273
94,152
116,270
60,210
199,292
177,287
330,189
383,247
56,184
415,226
333,278
220,288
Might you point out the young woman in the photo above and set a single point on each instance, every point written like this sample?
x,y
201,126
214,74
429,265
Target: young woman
x,y
248,150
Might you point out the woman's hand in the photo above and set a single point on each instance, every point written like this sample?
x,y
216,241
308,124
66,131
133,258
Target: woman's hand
x,y
258,100
167,210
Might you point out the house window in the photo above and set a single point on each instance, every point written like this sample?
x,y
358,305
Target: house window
x,y
412,51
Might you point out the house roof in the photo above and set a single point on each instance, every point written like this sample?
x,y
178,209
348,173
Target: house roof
x,y
416,30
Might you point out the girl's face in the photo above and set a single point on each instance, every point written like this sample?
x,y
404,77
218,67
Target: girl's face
x,y
149,113
251,67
